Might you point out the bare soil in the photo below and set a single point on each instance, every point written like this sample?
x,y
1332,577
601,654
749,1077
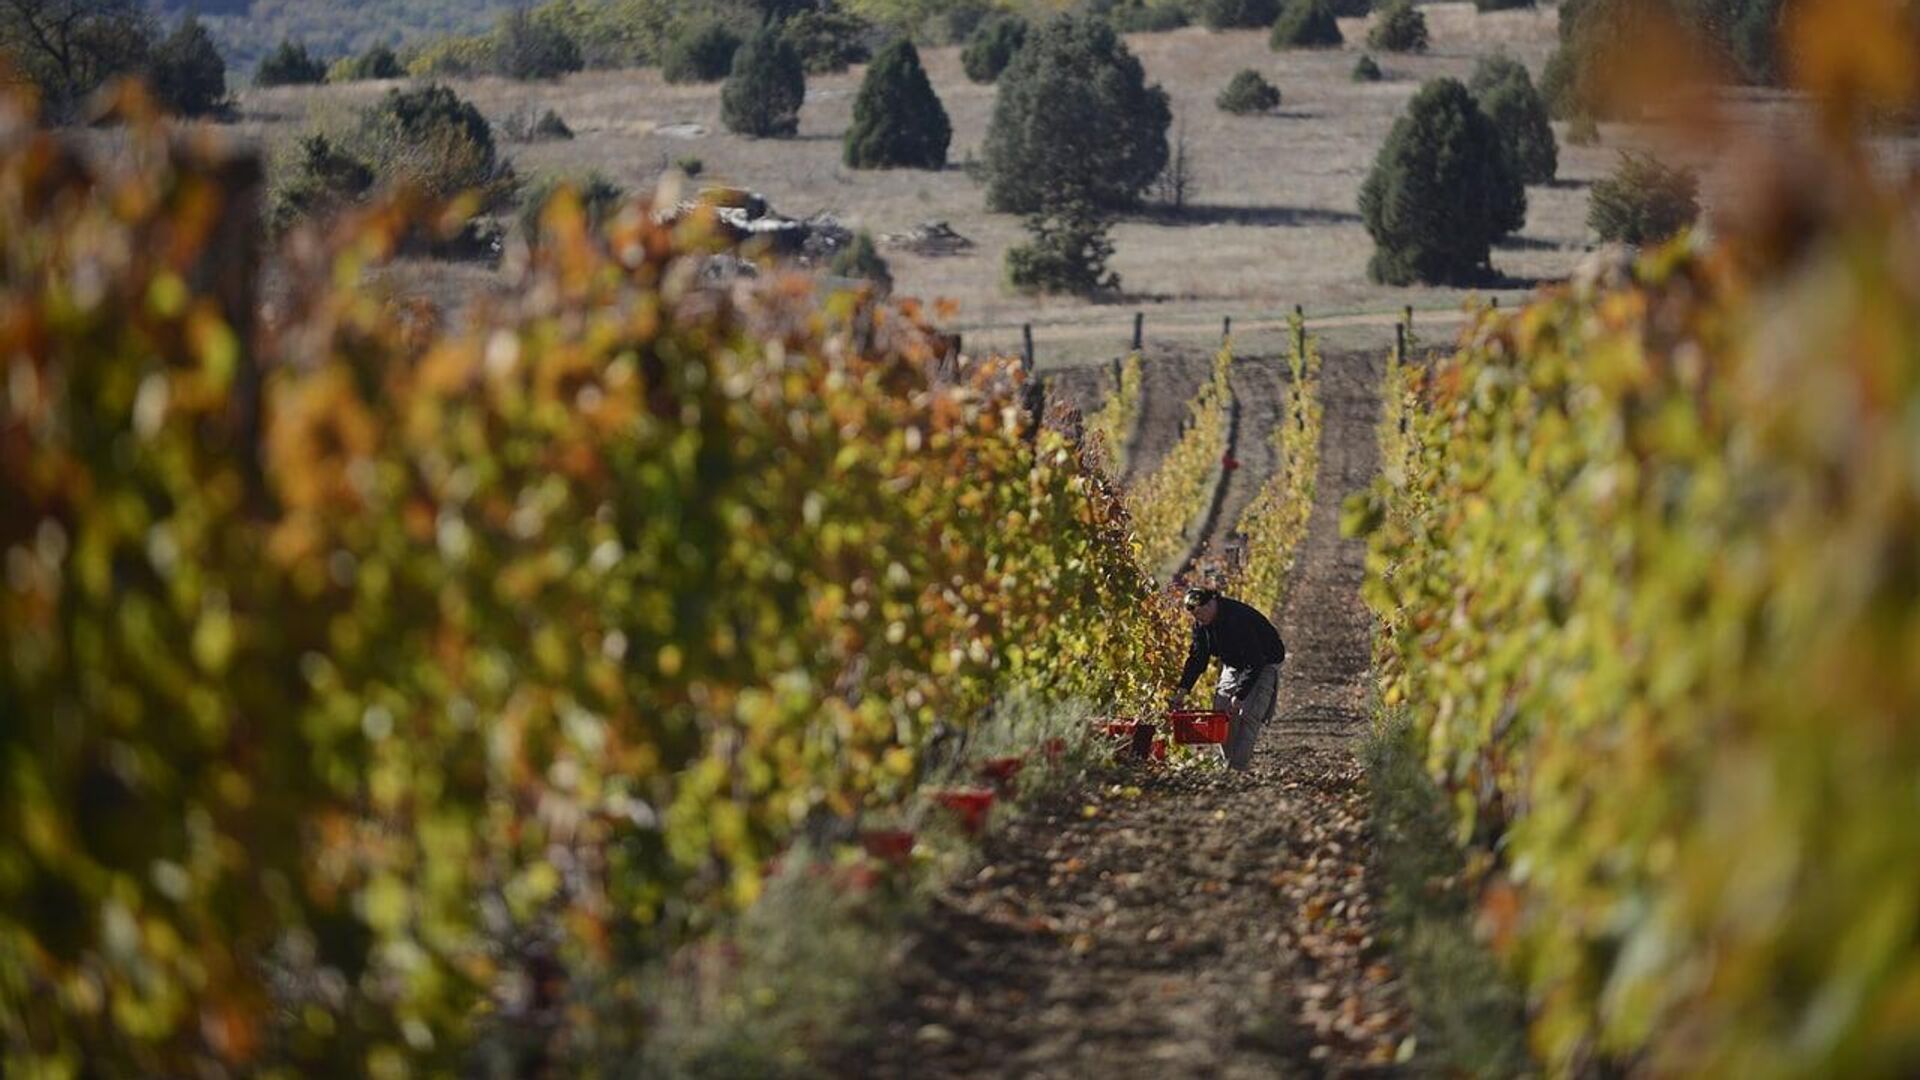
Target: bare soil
x,y
1183,922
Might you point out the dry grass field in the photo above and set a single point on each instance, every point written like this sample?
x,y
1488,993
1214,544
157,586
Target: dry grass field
x,y
1274,222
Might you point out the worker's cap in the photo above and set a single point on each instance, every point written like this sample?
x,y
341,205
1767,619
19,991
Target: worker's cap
x,y
1199,598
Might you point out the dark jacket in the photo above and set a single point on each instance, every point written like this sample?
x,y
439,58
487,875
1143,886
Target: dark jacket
x,y
1244,641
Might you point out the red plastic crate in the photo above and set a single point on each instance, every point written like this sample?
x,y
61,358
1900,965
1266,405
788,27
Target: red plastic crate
x,y
1191,728
1056,748
1001,769
1159,752
1116,727
888,845
970,805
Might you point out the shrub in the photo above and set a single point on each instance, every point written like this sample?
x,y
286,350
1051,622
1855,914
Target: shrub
x,y
1400,28
1502,5
1238,14
763,96
455,57
289,65
1441,192
1074,123
1247,93
1643,202
898,121
1142,16
992,47
187,74
860,259
378,62
1367,69
527,48
959,20
429,138
1306,24
320,179
423,138
1583,130
598,197
1068,254
522,125
828,41
692,166
700,51
1505,93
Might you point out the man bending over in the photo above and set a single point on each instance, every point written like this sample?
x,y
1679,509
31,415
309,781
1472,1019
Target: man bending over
x,y
1250,652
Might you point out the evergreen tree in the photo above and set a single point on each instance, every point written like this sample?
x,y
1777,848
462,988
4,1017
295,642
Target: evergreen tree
x,y
1074,123
898,121
828,41
763,96
187,73
1238,14
1367,69
1505,92
1068,253
1441,192
860,259
991,46
701,51
1306,24
1247,93
289,65
1400,28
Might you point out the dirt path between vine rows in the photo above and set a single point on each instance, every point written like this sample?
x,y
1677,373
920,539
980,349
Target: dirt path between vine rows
x,y
1161,923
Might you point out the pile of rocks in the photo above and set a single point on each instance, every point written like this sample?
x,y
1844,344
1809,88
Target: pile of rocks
x,y
929,238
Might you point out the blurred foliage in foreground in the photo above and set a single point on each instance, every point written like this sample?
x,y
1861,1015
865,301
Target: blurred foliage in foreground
x,y
1646,558
368,685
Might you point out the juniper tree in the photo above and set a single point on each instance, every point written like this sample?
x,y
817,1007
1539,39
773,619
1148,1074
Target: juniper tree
x,y
898,121
1238,14
991,46
289,65
763,96
1442,190
1306,24
1399,28
860,259
1074,122
187,73
1247,93
1505,92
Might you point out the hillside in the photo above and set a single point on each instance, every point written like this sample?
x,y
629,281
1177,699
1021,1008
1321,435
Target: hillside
x,y
246,30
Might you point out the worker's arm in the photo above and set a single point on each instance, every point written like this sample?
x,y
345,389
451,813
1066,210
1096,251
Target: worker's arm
x,y
1197,656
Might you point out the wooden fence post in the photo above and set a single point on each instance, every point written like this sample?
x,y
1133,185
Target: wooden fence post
x,y
1226,328
1026,346
1139,328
